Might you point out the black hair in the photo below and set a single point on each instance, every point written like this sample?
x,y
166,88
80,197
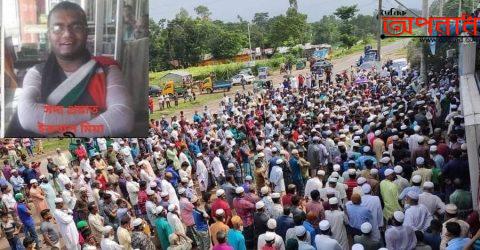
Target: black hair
x,y
315,194
28,241
454,229
69,6
44,212
286,210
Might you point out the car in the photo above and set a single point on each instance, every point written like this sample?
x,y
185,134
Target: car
x,y
400,64
154,91
237,79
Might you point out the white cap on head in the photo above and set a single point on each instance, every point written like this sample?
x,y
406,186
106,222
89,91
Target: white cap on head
x,y
171,207
33,181
366,188
385,160
412,195
199,154
433,148
374,171
351,171
335,175
272,224
248,178
239,190
398,169
324,225
361,180
107,229
336,167
58,200
220,212
153,184
366,149
220,192
194,199
357,246
109,168
416,128
181,190
451,208
333,201
300,231
388,171
137,222
403,127
151,192
399,216
463,147
61,167
417,179
163,194
321,172
431,142
421,139
279,161
378,132
366,227
269,236
259,205
159,209
428,184
264,190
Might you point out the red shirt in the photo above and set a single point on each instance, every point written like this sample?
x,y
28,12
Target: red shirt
x,y
287,200
142,199
221,204
103,181
351,183
81,152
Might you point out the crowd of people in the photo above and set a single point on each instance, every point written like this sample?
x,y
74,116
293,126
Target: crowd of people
x,y
381,164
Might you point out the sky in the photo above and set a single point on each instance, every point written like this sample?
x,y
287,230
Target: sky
x,y
227,10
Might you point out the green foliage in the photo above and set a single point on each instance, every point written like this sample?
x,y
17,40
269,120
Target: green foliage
x,y
225,44
203,12
450,7
288,30
346,12
346,28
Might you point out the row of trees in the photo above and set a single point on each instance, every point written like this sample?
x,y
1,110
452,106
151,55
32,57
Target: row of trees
x,y
182,41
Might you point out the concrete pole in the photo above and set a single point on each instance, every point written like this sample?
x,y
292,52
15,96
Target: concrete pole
x,y
423,66
460,8
441,8
379,40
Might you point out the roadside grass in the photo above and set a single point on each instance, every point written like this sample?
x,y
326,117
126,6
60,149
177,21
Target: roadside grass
x,y
50,144
200,101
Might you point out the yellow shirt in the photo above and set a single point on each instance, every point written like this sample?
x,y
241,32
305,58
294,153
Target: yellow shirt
x,y
215,228
124,238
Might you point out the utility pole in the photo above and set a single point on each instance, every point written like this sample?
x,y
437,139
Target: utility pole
x,y
423,66
249,41
460,8
441,8
379,39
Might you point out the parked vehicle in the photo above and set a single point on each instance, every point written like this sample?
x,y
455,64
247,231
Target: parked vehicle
x,y
210,86
237,79
171,89
400,65
263,73
154,91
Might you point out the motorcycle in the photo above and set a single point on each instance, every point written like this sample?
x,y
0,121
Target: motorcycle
x,y
338,78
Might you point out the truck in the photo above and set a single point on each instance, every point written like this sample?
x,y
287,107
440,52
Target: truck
x,y
210,86
171,89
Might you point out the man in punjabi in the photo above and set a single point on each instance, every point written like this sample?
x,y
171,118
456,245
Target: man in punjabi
x,y
88,93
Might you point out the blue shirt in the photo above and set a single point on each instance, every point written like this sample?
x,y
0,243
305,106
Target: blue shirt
x,y
357,215
432,240
284,222
297,173
311,230
200,221
457,243
405,191
236,239
361,160
26,218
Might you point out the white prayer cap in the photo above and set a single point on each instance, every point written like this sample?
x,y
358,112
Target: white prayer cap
x,y
403,127
171,207
137,222
342,136
275,195
163,194
335,175
300,231
109,168
274,149
398,169
279,161
316,138
324,225
428,184
358,246
366,149
321,172
107,229
295,151
431,142
268,141
351,171
433,148
42,177
271,224
220,192
417,179
395,137
181,190
61,167
261,155
333,201
151,192
366,227
264,190
416,128
159,209
88,175
421,139
361,180
33,181
58,200
451,208
388,171
199,154
399,216
378,132
248,178
239,190
412,195
374,171
184,180
220,212
366,188
269,236
259,205
153,184
336,167
83,189
385,160
231,165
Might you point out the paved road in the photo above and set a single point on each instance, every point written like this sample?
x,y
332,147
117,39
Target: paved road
x,y
340,64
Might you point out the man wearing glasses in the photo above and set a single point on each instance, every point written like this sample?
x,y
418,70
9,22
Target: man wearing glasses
x,y
74,91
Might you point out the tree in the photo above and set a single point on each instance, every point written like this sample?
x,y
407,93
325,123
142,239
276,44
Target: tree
x,y
261,19
293,4
450,7
225,44
203,12
346,13
288,30
326,30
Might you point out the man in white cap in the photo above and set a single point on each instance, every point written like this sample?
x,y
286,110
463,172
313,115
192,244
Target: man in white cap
x,y
416,187
267,200
372,202
260,219
150,206
37,197
302,238
174,220
324,240
416,215
389,192
217,168
399,236
49,192
314,183
245,210
277,239
63,177
108,242
133,188
337,219
437,158
68,196
423,170
221,203
433,203
401,182
65,221
167,186
451,215
378,144
317,155
219,225
202,174
96,222
358,189
366,239
276,178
